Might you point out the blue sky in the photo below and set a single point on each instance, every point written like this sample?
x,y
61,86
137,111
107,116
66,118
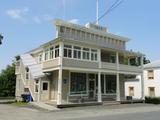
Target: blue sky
x,y
26,24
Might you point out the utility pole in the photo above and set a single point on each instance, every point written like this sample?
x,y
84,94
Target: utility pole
x,y
97,12
1,38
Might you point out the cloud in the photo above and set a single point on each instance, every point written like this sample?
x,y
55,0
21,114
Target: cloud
x,y
37,20
17,14
74,21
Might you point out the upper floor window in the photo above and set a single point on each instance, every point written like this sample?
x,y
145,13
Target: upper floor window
x,y
27,73
93,55
68,51
40,58
51,53
150,74
46,54
57,51
86,53
77,52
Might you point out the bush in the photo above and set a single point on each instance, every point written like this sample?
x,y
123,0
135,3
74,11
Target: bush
x,y
153,100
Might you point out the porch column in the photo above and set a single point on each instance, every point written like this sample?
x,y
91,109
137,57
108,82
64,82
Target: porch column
x,y
59,96
39,90
142,79
99,87
117,79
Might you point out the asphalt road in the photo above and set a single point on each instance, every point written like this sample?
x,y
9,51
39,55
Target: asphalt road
x,y
131,116
116,112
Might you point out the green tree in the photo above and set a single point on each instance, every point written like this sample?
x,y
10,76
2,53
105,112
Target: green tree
x,y
8,81
1,37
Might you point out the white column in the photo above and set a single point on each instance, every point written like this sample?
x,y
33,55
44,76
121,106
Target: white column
x,y
142,79
99,87
39,90
59,96
117,78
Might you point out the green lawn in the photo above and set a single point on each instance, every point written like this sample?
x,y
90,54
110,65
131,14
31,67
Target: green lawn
x,y
20,103
6,98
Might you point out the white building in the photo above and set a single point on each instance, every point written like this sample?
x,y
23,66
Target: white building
x,y
151,75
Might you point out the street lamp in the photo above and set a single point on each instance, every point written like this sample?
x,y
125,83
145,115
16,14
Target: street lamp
x,y
1,38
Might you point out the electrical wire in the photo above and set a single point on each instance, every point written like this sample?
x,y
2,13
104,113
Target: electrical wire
x,y
111,8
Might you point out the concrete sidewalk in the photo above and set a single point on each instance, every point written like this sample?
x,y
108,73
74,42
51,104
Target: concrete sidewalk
x,y
44,106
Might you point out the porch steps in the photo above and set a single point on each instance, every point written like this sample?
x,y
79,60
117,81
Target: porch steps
x,y
44,106
106,103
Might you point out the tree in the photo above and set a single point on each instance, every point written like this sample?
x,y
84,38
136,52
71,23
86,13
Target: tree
x,y
145,60
1,37
8,81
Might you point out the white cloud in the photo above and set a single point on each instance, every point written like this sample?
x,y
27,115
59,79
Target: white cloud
x,y
75,21
47,17
37,20
18,14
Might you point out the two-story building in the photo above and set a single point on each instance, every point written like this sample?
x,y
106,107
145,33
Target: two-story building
x,y
82,64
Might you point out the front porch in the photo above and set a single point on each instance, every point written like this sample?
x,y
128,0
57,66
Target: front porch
x,y
80,87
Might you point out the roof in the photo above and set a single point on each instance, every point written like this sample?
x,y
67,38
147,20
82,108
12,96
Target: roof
x,y
154,64
34,68
59,22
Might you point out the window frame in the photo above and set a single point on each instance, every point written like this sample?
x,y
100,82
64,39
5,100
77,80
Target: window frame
x,y
148,74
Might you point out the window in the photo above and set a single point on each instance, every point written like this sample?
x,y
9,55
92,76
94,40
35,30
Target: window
x,y
36,86
78,83
45,86
131,91
51,56
77,52
46,55
27,73
150,74
86,53
110,83
102,84
40,58
62,29
151,91
57,51
68,51
93,55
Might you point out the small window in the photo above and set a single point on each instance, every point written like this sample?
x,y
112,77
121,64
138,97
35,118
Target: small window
x,y
51,53
36,86
57,51
45,86
86,53
40,58
77,52
150,74
151,91
68,51
131,91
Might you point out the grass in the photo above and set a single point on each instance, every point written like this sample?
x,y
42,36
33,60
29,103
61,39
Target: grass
x,y
20,103
7,98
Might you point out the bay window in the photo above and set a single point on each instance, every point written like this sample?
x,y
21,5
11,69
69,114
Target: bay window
x,y
68,51
46,54
56,51
86,53
51,52
77,52
93,55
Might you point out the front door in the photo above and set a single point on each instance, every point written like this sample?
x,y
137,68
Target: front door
x,y
92,85
45,90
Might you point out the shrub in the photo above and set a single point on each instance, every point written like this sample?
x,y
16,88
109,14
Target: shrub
x,y
153,100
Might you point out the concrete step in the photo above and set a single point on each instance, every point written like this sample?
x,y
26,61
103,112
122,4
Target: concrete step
x,y
111,103
44,106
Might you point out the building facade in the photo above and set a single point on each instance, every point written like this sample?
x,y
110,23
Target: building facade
x,y
82,64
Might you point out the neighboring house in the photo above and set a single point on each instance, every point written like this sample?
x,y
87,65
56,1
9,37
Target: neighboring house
x,y
82,64
151,73
152,79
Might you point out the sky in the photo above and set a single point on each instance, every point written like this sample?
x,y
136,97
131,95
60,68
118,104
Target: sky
x,y
26,24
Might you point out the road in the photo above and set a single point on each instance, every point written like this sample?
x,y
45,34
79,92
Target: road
x,y
131,116
115,112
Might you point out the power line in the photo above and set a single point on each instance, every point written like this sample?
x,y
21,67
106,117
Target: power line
x,y
111,8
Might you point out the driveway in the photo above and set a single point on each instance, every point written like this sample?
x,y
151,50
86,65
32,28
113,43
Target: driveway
x,y
114,112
